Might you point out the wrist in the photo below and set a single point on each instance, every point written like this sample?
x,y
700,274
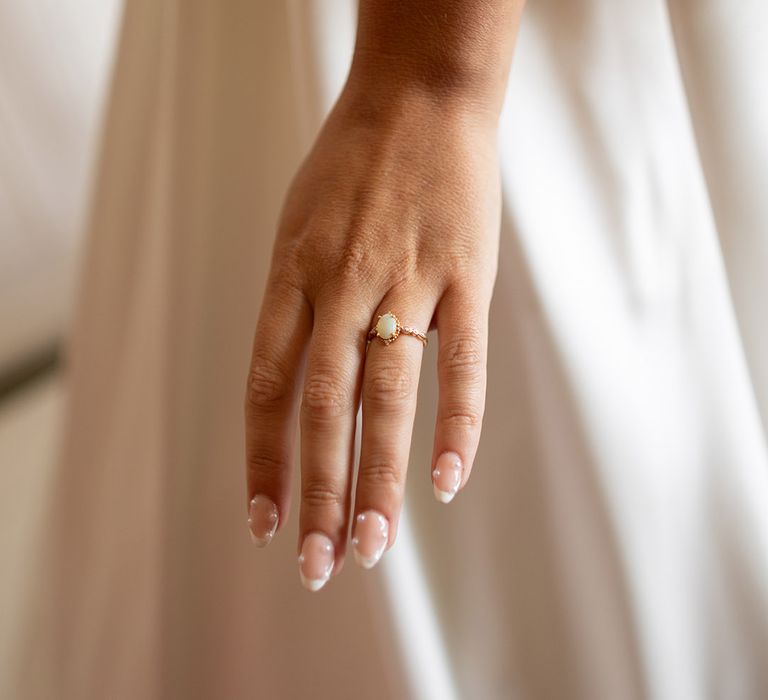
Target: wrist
x,y
386,81
455,54
381,93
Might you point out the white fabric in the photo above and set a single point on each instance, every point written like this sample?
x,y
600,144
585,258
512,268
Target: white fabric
x,y
54,58
613,540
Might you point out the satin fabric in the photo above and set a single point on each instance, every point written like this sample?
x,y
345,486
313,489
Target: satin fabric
x,y
613,539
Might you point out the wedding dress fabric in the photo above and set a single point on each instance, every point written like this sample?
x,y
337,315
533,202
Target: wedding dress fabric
x,y
613,540
51,76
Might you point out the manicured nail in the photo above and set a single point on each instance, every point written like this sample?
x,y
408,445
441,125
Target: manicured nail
x,y
370,538
262,520
316,561
446,476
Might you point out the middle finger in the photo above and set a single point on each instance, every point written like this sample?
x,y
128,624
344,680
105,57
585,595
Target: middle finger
x,y
328,416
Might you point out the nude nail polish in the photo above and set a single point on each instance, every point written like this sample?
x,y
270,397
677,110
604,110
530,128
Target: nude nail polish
x,y
262,520
446,476
370,538
316,561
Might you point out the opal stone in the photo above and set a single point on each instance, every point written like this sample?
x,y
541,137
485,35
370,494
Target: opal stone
x,y
386,326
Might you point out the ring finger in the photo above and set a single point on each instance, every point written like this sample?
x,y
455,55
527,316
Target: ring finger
x,y
390,384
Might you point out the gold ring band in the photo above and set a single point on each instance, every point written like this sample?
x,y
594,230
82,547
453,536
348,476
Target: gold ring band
x,y
388,328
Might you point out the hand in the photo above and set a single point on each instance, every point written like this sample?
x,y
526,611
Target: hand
x,y
396,208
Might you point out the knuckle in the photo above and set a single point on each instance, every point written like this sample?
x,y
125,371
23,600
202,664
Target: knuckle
x,y
381,471
319,493
388,386
268,386
265,465
356,262
325,396
462,358
462,416
285,278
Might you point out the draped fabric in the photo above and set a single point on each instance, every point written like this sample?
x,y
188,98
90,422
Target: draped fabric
x,y
54,55
613,539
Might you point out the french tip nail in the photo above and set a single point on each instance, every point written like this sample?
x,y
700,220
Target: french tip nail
x,y
370,538
446,476
316,561
443,496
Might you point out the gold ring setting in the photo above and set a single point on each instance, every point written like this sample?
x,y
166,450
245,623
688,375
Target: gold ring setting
x,y
388,329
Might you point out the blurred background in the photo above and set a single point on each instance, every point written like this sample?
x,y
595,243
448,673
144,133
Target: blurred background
x,y
664,202
56,57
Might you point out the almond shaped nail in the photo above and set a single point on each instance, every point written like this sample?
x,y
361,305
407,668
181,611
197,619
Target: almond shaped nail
x,y
370,538
262,520
316,560
446,476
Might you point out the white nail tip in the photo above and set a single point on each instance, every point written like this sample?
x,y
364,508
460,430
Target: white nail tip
x,y
443,496
312,584
367,562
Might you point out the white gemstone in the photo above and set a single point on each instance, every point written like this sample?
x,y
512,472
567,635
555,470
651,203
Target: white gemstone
x,y
386,326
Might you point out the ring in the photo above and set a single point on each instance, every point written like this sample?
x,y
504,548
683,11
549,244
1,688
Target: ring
x,y
388,328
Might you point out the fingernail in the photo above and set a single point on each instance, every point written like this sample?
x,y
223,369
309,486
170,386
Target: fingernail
x,y
370,538
446,476
262,520
315,561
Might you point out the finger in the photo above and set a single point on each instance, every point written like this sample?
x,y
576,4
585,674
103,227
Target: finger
x,y
462,326
390,383
328,416
271,402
